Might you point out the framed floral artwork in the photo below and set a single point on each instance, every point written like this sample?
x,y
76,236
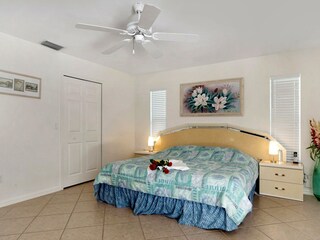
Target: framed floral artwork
x,y
19,84
212,98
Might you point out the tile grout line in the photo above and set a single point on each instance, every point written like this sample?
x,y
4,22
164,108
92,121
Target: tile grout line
x,y
302,232
260,225
141,227
296,229
264,233
35,217
178,224
71,214
269,216
273,216
225,235
281,221
184,234
293,202
299,213
269,199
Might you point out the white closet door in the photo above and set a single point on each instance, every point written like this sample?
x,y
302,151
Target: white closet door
x,y
92,129
80,131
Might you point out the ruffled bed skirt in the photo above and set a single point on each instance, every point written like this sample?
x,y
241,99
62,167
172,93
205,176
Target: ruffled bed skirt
x,y
186,212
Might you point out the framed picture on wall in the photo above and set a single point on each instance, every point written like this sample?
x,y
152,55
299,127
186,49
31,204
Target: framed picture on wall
x,y
20,84
212,98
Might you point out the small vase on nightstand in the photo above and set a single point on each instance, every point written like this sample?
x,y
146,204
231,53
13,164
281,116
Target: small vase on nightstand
x,y
316,179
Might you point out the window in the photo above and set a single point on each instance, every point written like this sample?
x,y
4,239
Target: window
x,y
285,113
158,112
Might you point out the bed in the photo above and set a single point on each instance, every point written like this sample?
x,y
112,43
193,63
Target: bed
x,y
215,193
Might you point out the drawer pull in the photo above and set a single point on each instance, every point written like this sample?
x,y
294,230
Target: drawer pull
x,y
282,189
282,175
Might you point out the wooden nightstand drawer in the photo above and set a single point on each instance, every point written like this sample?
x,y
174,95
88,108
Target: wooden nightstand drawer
x,y
282,189
281,174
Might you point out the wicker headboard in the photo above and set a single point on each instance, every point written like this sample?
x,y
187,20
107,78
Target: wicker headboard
x,y
248,141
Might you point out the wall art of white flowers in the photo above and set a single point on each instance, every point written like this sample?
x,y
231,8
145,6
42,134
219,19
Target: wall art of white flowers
x,y
221,97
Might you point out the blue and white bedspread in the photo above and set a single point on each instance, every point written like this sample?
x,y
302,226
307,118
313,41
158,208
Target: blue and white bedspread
x,y
221,177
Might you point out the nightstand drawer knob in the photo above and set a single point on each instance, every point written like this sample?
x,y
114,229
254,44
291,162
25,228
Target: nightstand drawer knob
x,y
282,175
282,189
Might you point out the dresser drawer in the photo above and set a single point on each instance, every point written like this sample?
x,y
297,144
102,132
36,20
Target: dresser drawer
x,y
282,189
281,174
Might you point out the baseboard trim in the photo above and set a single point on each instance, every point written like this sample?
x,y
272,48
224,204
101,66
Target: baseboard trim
x,y
29,196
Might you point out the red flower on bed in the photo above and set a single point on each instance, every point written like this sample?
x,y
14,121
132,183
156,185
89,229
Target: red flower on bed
x,y
165,170
156,164
153,166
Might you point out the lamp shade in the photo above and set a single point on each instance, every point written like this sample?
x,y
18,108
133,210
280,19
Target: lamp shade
x,y
273,148
150,141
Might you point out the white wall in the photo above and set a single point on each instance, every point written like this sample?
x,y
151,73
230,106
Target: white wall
x,y
29,128
256,73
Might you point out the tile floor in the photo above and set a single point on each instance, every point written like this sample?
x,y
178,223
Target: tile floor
x,y
74,214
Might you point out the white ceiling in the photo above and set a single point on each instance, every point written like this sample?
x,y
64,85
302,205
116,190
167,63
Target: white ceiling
x,y
228,29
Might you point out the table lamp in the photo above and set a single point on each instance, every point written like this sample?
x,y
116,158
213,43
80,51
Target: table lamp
x,y
273,149
151,143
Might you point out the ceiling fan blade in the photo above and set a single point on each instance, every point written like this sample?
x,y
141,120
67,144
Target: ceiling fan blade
x,y
100,28
148,16
117,46
176,37
151,48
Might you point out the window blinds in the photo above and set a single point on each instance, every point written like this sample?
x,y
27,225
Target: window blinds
x,y
285,113
158,112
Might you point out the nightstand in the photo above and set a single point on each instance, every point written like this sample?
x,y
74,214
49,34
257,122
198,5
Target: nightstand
x,y
143,153
283,180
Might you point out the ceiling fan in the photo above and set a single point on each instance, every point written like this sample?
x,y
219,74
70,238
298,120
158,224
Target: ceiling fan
x,y
139,31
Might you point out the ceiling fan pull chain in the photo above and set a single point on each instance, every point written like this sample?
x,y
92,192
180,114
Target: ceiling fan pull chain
x,y
139,15
133,52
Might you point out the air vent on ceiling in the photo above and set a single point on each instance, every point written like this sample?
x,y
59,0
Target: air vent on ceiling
x,y
51,45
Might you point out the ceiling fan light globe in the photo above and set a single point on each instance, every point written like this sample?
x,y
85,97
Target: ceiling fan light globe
x,y
139,38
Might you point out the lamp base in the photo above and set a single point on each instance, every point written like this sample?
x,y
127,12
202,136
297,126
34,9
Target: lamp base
x,y
273,161
151,149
